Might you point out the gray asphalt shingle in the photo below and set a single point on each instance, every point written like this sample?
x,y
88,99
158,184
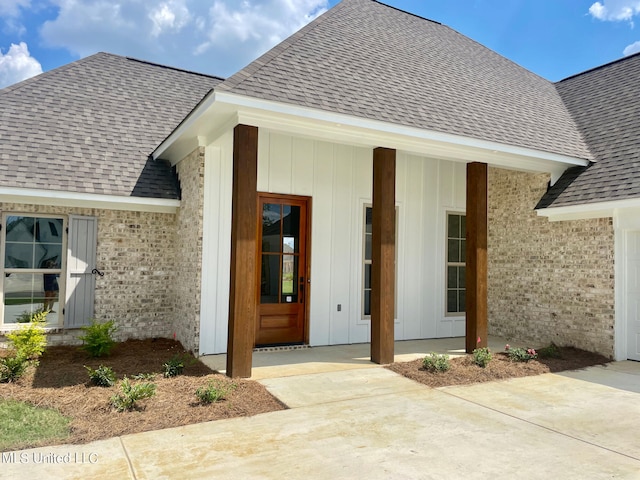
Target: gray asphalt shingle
x,y
373,61
90,126
605,103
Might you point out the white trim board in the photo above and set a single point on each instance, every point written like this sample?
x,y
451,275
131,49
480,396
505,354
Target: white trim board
x,y
87,200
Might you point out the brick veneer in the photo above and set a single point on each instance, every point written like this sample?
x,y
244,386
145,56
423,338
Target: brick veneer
x,y
548,281
135,252
188,247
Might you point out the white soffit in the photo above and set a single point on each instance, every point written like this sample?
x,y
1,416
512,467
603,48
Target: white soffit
x,y
87,200
223,110
590,210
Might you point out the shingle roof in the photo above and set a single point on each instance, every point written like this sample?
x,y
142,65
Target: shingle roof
x,y
373,61
605,103
90,126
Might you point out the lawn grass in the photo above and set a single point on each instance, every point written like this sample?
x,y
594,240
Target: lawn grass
x,y
23,423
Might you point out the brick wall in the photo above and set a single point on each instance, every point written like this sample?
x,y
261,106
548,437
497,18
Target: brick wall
x,y
188,245
135,252
548,281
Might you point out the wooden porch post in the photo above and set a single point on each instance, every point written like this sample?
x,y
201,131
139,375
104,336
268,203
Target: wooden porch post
x,y
476,271
242,294
383,255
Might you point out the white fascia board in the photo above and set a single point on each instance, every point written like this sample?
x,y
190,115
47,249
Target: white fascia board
x,y
87,200
589,210
272,114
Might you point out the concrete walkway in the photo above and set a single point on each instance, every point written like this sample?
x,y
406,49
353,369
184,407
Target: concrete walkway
x,y
373,424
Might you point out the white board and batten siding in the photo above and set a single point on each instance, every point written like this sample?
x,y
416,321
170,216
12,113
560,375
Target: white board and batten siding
x,y
339,180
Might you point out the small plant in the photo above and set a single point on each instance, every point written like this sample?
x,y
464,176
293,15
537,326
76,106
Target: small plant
x,y
98,338
174,366
436,363
29,341
552,351
144,376
215,391
131,393
519,354
12,367
102,376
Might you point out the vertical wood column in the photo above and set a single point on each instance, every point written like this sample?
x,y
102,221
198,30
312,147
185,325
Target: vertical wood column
x,y
476,270
383,255
242,294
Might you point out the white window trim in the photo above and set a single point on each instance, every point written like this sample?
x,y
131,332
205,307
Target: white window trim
x,y
61,277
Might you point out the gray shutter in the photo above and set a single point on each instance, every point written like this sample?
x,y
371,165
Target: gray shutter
x,y
81,260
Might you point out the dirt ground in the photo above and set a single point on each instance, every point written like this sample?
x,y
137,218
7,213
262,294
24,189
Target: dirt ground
x,y
61,382
464,371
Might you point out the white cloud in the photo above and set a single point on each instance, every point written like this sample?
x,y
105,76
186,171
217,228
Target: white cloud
x,y
17,65
615,10
631,49
11,8
213,36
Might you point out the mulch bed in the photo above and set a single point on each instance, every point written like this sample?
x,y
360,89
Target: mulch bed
x,y
61,382
464,371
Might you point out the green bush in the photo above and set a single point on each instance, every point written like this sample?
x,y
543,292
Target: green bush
x,y
29,340
131,393
519,354
40,315
215,391
174,366
98,338
482,356
552,351
436,363
12,367
102,376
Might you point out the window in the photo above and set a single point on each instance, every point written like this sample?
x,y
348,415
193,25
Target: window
x,y
456,257
33,249
368,232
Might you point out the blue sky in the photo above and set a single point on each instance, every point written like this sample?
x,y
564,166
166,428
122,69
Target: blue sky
x,y
553,38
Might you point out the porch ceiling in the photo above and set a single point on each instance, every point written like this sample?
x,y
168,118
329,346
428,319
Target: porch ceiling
x,y
220,112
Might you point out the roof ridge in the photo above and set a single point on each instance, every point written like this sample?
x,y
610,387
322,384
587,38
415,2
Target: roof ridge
x,y
613,62
408,13
263,60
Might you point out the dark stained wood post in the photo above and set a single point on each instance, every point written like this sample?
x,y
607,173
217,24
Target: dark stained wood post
x,y
242,294
476,274
383,270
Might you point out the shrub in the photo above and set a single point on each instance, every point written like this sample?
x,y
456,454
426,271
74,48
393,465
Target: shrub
x,y
436,363
131,393
552,351
482,356
144,376
174,366
29,340
102,376
12,367
98,338
215,391
520,354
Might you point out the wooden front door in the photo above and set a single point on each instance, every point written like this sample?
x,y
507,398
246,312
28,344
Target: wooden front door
x,y
283,228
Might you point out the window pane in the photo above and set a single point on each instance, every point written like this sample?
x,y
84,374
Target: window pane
x,y
289,275
23,294
50,257
48,230
452,301
271,227
367,275
452,277
20,229
463,226
462,301
453,250
461,277
463,251
367,246
291,225
367,302
368,220
453,226
270,275
19,255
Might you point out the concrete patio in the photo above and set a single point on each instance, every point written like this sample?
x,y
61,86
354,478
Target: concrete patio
x,y
364,421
